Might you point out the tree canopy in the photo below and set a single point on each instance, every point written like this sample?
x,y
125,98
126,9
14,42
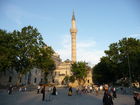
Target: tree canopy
x,y
24,50
79,70
121,61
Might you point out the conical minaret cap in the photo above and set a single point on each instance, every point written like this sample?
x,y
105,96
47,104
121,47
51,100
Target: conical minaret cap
x,y
73,16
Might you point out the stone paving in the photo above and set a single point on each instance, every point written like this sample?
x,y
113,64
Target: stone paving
x,y
32,98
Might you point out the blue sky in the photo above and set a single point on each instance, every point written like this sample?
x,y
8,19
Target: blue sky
x,y
99,23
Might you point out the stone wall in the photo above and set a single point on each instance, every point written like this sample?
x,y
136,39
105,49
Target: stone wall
x,y
33,77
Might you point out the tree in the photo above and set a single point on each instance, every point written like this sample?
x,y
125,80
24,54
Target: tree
x,y
122,61
44,61
7,51
23,50
130,57
66,79
79,70
104,71
28,44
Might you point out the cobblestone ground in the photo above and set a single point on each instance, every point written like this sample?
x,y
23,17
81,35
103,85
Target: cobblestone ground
x,y
32,98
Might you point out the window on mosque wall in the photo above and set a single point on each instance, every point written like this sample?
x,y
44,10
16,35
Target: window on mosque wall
x,y
53,81
61,74
10,79
41,80
20,80
35,80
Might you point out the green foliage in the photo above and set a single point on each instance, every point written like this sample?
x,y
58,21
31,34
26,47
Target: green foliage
x,y
44,59
24,50
104,71
66,79
79,70
7,51
72,79
28,44
114,65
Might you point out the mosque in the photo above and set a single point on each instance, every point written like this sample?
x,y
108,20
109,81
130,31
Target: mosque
x,y
63,69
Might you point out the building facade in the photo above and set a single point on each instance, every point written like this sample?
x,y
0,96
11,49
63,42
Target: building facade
x,y
12,77
34,77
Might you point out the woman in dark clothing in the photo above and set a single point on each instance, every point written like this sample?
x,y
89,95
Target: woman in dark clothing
x,y
107,99
136,98
43,93
70,91
10,89
54,91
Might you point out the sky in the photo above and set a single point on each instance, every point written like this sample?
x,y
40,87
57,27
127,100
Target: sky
x,y
99,23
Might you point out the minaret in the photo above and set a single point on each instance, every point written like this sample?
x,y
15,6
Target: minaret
x,y
73,31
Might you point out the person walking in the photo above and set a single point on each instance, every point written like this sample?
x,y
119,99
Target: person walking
x,y
43,93
90,88
114,93
10,89
137,98
97,90
54,91
107,99
38,89
77,90
70,91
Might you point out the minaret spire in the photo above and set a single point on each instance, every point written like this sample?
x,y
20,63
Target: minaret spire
x,y
73,16
73,31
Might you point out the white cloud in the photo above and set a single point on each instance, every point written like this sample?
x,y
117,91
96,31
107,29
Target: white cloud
x,y
135,35
90,56
86,44
85,51
65,51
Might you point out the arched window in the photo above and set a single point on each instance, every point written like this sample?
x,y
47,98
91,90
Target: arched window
x,y
41,80
35,80
20,80
10,79
53,80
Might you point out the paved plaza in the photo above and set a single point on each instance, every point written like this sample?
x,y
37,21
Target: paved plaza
x,y
32,98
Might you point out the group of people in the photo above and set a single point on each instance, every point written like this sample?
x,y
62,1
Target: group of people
x,y
50,90
20,89
109,93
